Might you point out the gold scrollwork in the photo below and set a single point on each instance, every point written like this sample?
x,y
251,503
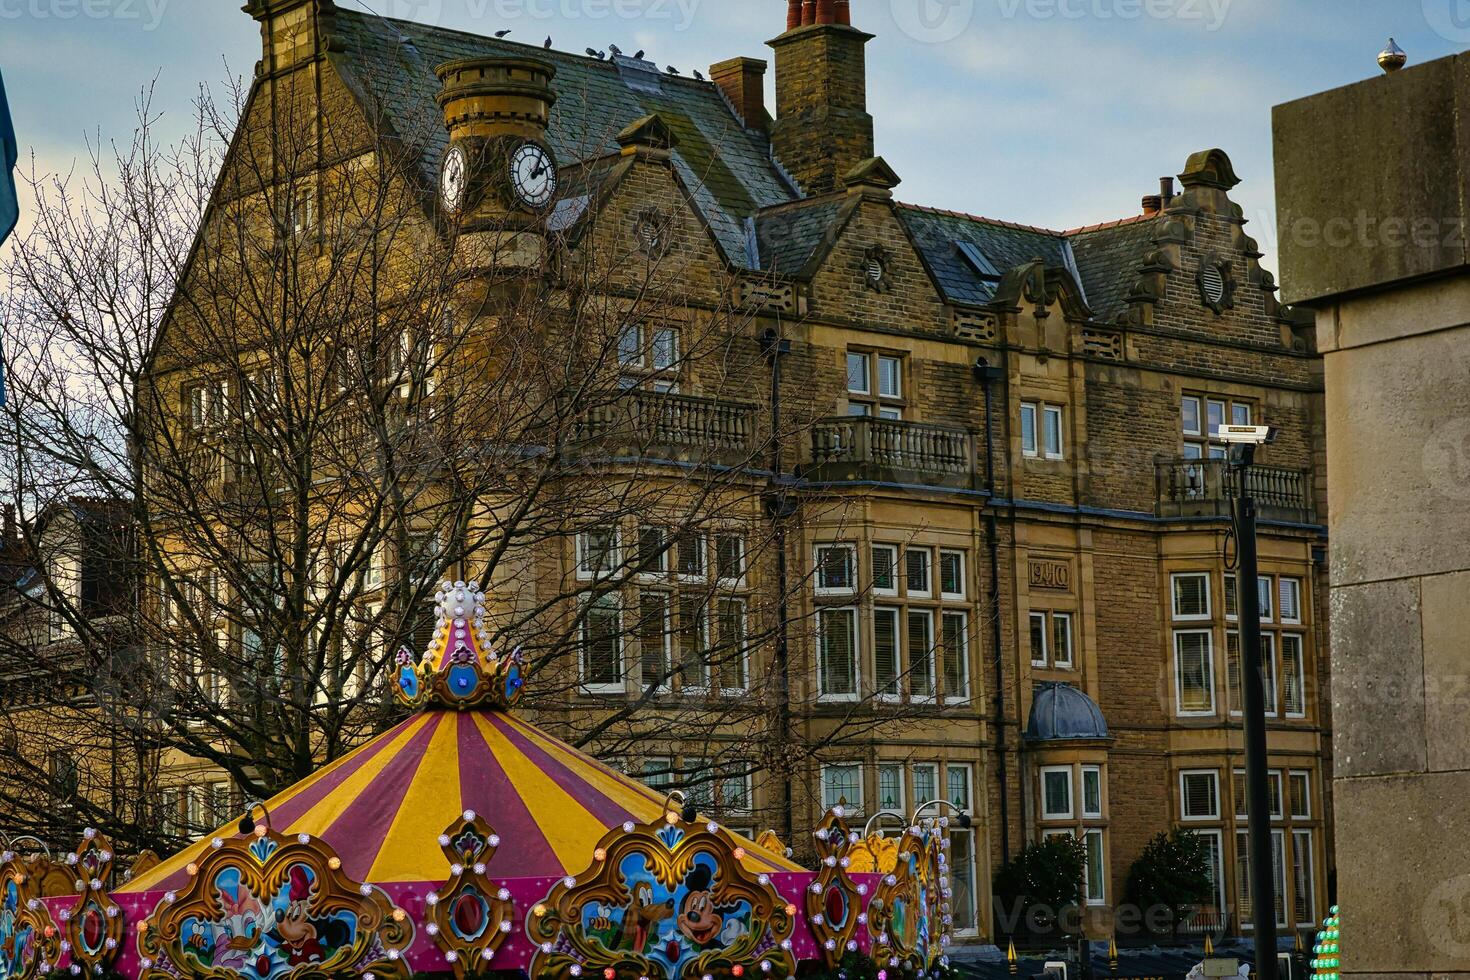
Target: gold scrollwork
x,y
275,909
909,904
874,854
470,917
669,901
834,903
29,941
94,926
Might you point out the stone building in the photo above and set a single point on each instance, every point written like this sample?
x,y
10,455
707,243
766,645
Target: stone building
x,y
988,445
1375,245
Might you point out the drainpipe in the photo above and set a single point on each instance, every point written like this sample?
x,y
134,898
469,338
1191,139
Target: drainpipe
x,y
989,377
780,507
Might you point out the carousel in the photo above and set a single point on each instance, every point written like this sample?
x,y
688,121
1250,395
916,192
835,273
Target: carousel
x,y
466,842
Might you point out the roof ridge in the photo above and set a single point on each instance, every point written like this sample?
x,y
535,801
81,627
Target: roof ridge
x,y
1133,219
989,221
529,45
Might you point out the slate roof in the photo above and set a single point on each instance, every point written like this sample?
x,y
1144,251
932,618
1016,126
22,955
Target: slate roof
x,y
1061,712
755,213
1006,245
727,169
1108,257
789,236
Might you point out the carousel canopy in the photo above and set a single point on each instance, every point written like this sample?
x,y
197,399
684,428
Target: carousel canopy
x,y
382,807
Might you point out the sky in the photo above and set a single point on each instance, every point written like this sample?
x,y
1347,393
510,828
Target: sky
x,y
1057,113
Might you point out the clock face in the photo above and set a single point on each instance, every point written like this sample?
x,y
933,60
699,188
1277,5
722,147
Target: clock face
x,y
533,175
454,178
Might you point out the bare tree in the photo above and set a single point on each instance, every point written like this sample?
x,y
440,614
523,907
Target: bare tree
x,y
266,351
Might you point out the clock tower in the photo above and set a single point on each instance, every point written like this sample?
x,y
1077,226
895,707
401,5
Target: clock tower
x,y
498,175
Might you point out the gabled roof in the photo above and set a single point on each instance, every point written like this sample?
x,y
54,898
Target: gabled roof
x,y
790,238
727,169
938,235
1108,257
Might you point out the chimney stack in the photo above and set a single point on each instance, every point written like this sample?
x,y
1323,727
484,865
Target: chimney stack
x,y
1166,191
291,31
743,80
822,128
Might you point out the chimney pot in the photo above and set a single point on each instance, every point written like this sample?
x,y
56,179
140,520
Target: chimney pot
x,y
793,14
825,13
1166,190
1152,204
809,13
843,12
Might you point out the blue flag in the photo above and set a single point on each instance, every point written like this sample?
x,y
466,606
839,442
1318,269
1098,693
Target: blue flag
x,y
9,201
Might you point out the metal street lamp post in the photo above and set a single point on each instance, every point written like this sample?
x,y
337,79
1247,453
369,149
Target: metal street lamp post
x,y
1258,798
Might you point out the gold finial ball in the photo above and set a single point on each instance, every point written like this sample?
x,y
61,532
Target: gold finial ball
x,y
1392,58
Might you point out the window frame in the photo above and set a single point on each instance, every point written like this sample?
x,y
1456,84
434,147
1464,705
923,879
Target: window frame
x,y
1058,815
1100,897
871,401
849,807
722,538
1309,869
1176,615
912,614
608,603
737,654
1102,804
819,568
893,569
902,801
932,768
856,655
582,554
1214,779
1209,673
1044,660
1057,663
1033,449
928,557
1306,778
1048,413
893,689
963,694
963,569
1296,583
1299,640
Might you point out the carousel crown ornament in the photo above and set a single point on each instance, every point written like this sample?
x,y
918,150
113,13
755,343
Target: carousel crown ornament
x,y
459,671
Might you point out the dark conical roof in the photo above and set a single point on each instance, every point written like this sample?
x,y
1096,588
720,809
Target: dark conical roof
x,y
1060,712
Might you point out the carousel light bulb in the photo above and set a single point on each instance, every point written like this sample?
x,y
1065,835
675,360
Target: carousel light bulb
x,y
479,868
765,966
852,945
862,889
790,908
443,840
600,854
487,954
575,970
431,929
142,927
456,870
335,863
740,854
399,915
628,827
785,944
830,944
505,925
494,840
538,912
192,868
712,827
303,838
451,956
546,947
830,861
816,888
570,881
764,879
111,944
503,894
818,919
469,816
671,818
862,918
839,812
431,899
737,970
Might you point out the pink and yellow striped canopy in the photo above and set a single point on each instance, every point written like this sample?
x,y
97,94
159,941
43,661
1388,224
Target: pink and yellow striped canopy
x,y
383,807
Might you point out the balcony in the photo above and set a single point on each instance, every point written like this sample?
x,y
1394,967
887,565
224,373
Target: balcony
x,y
864,449
1206,488
682,427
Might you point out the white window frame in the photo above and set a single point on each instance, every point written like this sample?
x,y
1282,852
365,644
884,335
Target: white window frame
x,y
894,570
901,808
1282,582
1184,776
1044,660
932,769
1033,450
867,389
739,655
1174,579
1102,803
908,588
1199,417
640,358
932,655
1266,589
665,638
1308,860
701,551
857,655
1306,778
896,691
853,807
616,687
1301,674
1071,810
897,363
960,555
661,569
819,567
739,539
1049,412
1212,710
963,694
1101,896
1056,661
969,773
1219,857
583,552
687,602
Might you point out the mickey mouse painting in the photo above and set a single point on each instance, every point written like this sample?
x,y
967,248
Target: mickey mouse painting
x,y
699,920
